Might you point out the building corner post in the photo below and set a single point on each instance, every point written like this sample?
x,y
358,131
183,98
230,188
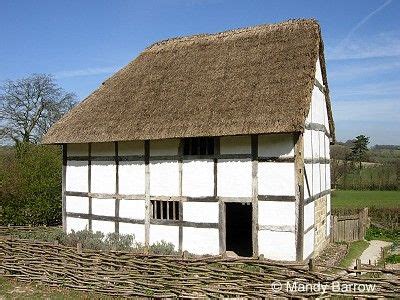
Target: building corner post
x,y
63,195
299,194
254,193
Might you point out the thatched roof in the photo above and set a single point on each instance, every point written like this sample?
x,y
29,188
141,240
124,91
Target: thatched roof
x,y
245,81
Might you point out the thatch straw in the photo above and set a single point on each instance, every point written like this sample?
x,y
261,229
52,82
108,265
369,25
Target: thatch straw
x,y
246,81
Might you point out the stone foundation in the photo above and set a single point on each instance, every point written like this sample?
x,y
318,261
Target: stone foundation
x,y
320,237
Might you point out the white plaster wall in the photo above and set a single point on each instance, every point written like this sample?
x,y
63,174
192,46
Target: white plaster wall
x,y
315,143
131,177
103,149
309,173
77,176
164,147
103,207
327,149
308,142
308,244
276,213
200,240
276,145
318,103
169,234
136,229
318,110
77,204
234,178
235,145
328,203
328,176
164,178
77,150
316,179
321,144
131,148
277,245
318,72
105,227
203,212
328,225
276,178
103,177
132,209
322,168
198,178
309,216
76,224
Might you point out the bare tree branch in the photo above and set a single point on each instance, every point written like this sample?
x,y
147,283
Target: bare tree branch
x,y
29,106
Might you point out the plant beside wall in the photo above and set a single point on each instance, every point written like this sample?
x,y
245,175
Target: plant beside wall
x,y
30,192
91,240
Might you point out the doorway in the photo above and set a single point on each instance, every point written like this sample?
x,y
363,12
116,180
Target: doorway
x,y
238,228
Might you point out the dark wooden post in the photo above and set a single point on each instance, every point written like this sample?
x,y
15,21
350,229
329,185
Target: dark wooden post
x,y
299,188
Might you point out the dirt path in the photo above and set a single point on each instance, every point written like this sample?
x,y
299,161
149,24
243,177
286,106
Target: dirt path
x,y
373,252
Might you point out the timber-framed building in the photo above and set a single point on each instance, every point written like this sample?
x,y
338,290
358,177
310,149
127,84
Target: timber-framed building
x,y
211,142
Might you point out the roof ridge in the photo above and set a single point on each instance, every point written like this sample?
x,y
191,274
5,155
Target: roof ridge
x,y
181,39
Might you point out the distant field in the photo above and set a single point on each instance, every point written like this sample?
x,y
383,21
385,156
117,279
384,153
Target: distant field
x,y
359,199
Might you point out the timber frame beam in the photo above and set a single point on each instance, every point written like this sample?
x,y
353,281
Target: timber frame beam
x,y
299,191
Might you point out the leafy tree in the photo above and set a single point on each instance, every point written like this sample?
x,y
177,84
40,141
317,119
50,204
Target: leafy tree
x,y
29,106
360,148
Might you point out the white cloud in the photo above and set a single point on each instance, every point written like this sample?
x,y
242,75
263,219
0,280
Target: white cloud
x,y
380,45
382,110
365,19
382,88
84,72
345,71
376,46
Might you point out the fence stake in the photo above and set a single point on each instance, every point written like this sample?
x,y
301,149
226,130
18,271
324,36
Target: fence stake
x,y
79,247
358,266
310,265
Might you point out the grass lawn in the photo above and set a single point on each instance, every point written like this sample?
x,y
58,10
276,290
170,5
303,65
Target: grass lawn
x,y
355,250
14,289
360,199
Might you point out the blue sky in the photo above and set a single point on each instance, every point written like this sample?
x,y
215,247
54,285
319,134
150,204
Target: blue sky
x,y
83,42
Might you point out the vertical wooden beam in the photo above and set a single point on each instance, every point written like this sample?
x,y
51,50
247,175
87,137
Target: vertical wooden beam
x,y
90,184
147,193
63,196
221,204
116,187
180,166
299,185
254,189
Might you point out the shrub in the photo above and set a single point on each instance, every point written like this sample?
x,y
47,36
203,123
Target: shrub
x,y
31,186
376,233
163,248
93,240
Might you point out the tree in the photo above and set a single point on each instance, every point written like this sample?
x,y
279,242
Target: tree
x,y
360,148
29,106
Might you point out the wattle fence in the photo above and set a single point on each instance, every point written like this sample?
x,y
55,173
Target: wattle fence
x,y
137,275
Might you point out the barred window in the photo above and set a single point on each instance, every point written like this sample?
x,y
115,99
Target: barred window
x,y
165,210
198,146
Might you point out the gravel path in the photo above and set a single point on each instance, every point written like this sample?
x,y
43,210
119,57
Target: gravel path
x,y
373,252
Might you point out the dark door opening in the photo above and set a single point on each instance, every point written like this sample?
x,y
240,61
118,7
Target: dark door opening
x,y
238,228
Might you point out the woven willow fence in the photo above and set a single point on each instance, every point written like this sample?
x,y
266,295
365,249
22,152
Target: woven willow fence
x,y
127,274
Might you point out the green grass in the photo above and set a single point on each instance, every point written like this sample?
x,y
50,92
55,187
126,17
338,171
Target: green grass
x,y
360,199
383,234
14,289
393,259
355,250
